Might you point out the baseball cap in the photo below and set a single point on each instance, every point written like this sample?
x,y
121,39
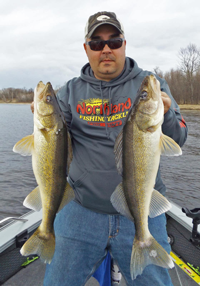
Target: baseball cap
x,y
102,18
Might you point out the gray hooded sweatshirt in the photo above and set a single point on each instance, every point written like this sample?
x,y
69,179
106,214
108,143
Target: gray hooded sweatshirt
x,y
95,112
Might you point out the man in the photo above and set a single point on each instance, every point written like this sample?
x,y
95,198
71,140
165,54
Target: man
x,y
95,106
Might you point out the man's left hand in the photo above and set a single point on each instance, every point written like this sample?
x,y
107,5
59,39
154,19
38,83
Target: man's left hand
x,y
166,101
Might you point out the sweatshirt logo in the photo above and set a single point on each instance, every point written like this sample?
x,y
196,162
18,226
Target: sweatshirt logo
x,y
94,111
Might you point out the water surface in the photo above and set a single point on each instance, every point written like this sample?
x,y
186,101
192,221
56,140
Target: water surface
x,y
180,174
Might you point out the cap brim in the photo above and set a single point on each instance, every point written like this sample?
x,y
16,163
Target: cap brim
x,y
100,24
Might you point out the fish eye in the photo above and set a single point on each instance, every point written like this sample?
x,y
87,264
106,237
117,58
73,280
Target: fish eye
x,y
48,98
143,95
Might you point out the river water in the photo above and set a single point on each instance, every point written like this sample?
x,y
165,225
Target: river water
x,y
180,174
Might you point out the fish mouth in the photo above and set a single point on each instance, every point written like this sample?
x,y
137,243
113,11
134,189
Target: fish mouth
x,y
150,96
155,87
152,87
44,99
156,96
43,91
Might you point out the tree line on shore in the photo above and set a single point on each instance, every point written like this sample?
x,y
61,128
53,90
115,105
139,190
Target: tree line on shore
x,y
184,82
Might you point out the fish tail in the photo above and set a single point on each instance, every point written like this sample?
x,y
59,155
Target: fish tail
x,y
40,243
148,252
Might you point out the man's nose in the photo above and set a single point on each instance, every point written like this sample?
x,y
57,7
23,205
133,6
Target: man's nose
x,y
106,49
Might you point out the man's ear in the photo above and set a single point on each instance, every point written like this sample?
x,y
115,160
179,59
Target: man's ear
x,y
85,48
125,45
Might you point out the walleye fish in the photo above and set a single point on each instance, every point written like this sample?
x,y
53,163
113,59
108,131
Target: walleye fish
x,y
48,146
137,151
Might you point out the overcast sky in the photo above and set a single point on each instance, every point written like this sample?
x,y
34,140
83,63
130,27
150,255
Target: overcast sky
x,y
43,39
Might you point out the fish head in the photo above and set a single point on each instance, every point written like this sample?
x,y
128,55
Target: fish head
x,y
149,105
46,108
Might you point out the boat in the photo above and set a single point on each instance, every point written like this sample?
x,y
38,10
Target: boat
x,y
183,227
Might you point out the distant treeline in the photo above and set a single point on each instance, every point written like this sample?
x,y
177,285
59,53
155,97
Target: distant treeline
x,y
17,95
184,82
185,90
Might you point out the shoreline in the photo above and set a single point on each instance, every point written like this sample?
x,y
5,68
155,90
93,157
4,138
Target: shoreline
x,y
182,106
189,106
2,102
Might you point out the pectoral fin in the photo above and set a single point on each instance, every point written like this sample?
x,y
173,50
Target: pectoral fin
x,y
169,147
25,146
119,202
159,204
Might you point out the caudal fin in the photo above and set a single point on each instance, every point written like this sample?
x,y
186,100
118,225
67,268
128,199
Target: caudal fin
x,y
148,252
41,244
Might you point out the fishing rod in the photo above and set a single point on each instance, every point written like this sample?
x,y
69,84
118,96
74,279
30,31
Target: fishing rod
x,y
191,270
188,268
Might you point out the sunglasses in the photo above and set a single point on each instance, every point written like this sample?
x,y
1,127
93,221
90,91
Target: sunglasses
x,y
99,45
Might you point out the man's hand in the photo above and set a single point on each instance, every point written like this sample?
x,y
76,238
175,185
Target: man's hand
x,y
32,107
166,101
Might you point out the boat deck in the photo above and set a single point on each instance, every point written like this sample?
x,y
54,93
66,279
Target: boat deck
x,y
33,275
13,235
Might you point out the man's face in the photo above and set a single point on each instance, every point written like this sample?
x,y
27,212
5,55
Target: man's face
x,y
108,63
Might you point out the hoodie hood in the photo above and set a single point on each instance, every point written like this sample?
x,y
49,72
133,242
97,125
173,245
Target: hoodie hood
x,y
130,71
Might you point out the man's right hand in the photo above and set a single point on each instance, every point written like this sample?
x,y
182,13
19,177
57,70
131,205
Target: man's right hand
x,y
32,107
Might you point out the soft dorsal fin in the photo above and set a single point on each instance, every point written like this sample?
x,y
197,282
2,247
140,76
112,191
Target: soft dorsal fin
x,y
169,147
25,146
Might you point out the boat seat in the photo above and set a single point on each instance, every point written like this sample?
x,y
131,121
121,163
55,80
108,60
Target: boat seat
x,y
194,213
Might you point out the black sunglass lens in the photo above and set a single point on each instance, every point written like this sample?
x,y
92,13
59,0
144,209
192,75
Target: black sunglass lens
x,y
96,45
115,44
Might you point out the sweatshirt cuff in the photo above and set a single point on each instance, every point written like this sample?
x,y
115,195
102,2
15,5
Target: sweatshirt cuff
x,y
169,119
